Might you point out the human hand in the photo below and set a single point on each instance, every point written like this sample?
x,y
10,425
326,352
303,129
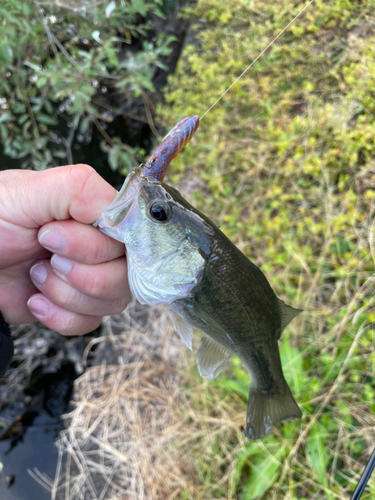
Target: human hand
x,y
49,214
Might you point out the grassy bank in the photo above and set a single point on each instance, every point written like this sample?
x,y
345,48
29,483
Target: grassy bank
x,y
285,165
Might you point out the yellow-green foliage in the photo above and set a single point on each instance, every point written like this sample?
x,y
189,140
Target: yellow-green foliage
x,y
286,161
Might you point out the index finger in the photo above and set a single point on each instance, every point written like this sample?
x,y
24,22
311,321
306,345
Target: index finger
x,y
60,193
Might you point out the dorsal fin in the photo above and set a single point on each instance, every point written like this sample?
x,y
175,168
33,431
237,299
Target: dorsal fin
x,y
287,314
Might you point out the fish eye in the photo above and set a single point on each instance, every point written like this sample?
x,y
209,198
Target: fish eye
x,y
160,211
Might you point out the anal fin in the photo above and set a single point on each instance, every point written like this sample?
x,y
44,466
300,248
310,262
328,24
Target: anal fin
x,y
211,358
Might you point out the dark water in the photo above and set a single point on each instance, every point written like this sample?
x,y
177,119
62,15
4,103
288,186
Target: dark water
x,y
36,450
32,414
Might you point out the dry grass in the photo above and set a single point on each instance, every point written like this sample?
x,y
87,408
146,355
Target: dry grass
x,y
118,439
137,431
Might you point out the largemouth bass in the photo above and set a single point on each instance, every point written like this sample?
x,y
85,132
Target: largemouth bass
x,y
177,256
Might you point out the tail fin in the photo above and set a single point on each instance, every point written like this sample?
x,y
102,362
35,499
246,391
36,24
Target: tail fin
x,y
264,410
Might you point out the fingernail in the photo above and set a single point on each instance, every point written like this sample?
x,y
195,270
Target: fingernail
x,y
38,306
52,241
38,273
61,264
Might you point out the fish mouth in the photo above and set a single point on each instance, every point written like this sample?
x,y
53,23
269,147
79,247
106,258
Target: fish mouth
x,y
110,220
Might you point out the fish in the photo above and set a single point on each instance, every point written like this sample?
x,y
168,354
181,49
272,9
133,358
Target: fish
x,y
177,256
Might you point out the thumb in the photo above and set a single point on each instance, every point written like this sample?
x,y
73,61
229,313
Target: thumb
x,y
35,198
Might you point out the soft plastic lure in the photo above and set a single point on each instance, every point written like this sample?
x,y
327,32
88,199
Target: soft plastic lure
x,y
157,165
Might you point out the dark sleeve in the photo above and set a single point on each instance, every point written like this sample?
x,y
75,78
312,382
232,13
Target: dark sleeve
x,y
6,346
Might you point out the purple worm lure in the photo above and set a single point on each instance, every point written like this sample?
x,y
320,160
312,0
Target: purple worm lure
x,y
157,165
171,145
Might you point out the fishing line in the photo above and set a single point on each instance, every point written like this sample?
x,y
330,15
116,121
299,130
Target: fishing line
x,y
258,57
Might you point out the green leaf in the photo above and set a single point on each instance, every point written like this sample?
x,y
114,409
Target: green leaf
x,y
236,385
85,124
317,452
292,362
6,53
48,120
23,118
59,154
49,107
140,6
33,66
6,117
3,132
41,82
262,477
9,17
335,366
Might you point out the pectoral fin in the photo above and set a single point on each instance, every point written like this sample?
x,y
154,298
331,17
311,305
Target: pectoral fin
x,y
211,358
184,330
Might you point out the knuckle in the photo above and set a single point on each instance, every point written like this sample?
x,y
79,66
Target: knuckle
x,y
93,285
81,176
76,324
99,253
64,298
80,170
61,321
119,305
69,323
103,250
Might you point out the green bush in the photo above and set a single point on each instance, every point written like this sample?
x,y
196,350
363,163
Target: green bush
x,y
286,165
54,57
